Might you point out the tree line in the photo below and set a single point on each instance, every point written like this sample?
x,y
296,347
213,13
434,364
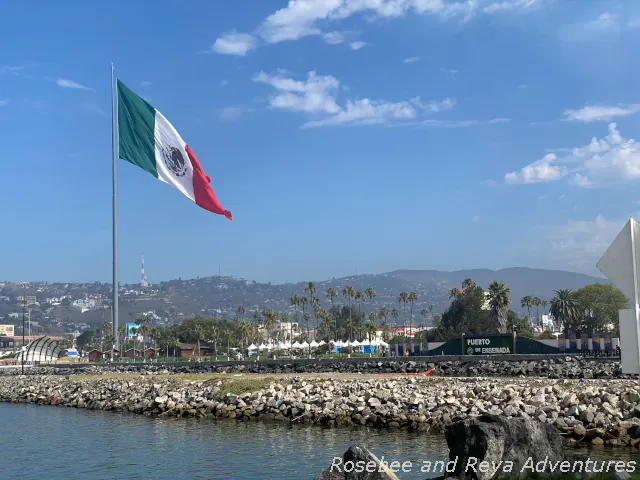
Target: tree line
x,y
591,309
471,310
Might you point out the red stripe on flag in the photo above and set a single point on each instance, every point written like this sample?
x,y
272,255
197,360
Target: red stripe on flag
x,y
202,190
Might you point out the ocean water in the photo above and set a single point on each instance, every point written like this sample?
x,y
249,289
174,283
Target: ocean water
x,y
56,443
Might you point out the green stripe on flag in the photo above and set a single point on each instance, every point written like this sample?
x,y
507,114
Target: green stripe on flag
x,y
136,130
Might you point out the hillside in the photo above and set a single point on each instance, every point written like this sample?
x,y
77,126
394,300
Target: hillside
x,y
220,296
521,280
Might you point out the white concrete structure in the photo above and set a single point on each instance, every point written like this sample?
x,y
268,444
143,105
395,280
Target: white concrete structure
x,y
620,265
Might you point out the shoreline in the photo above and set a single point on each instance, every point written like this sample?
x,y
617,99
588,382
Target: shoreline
x,y
598,412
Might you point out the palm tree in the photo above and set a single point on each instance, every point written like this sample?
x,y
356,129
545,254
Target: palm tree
x,y
122,331
536,302
412,297
349,292
499,300
403,298
371,329
383,313
241,311
565,309
395,314
544,304
312,289
349,325
227,335
359,298
526,302
304,301
424,313
332,293
370,293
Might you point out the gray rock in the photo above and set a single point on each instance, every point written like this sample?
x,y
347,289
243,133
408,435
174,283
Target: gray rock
x,y
357,463
496,439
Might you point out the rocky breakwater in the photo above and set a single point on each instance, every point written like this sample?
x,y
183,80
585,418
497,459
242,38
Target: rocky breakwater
x,y
594,411
549,367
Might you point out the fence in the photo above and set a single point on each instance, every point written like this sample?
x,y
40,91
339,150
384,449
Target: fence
x,y
600,346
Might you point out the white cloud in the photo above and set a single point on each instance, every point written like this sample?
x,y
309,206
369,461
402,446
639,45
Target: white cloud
x,y
317,95
357,45
608,161
304,18
510,5
434,107
411,60
334,38
595,113
231,112
312,96
605,21
539,171
4,102
491,183
145,83
367,112
234,43
61,82
582,242
475,219
634,22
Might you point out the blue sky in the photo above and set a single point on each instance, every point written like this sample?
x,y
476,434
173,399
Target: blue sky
x,y
344,135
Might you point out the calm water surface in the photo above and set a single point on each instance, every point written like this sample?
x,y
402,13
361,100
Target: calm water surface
x,y
55,443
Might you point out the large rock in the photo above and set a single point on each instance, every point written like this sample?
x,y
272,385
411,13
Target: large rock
x,y
357,463
506,445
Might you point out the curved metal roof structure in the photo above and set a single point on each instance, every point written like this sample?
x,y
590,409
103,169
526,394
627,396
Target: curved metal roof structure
x,y
44,349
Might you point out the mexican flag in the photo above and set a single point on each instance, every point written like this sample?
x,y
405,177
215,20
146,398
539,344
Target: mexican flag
x,y
149,141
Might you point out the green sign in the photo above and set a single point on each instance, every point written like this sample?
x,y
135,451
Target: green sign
x,y
489,345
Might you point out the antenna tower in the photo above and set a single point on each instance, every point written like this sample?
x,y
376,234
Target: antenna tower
x,y
143,276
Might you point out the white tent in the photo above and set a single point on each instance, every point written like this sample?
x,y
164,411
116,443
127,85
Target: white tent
x,y
345,344
365,343
304,345
262,347
252,347
322,342
296,344
355,343
314,344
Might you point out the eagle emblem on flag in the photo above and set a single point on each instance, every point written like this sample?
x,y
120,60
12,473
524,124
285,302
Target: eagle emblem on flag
x,y
175,161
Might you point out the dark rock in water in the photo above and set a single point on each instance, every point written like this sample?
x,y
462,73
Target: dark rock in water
x,y
357,463
510,446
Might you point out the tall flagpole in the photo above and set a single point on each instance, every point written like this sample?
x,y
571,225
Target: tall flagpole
x,y
114,158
